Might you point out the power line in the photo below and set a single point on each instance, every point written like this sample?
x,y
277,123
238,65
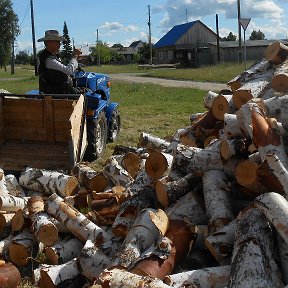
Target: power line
x,y
26,13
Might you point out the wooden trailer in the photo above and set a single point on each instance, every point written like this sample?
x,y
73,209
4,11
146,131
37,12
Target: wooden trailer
x,y
41,131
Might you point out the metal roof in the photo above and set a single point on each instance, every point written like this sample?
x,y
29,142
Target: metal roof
x,y
248,43
174,34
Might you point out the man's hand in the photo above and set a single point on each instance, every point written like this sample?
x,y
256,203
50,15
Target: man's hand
x,y
76,52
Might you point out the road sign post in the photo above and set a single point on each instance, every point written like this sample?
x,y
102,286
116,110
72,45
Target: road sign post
x,y
244,23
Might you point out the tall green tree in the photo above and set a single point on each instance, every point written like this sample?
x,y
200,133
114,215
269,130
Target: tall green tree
x,y
102,51
257,35
230,37
8,29
67,49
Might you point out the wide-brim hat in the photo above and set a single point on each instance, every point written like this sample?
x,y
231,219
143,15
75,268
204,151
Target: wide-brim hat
x,y
52,35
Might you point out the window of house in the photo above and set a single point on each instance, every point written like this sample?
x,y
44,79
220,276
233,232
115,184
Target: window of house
x,y
170,54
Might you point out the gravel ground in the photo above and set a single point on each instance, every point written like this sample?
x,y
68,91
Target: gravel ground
x,y
215,87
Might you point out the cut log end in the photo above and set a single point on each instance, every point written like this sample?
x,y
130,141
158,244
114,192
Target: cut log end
x,y
19,254
241,97
48,234
220,106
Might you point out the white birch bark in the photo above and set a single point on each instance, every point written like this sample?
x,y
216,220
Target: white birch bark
x,y
279,171
275,207
148,227
59,275
63,250
202,278
92,261
116,278
253,263
209,98
48,182
11,203
283,255
188,207
75,221
21,248
217,196
152,142
3,185
44,229
232,127
141,181
13,186
221,242
4,244
116,173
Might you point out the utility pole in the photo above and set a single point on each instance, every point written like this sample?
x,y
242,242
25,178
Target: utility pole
x,y
98,50
239,32
33,38
218,45
13,53
186,16
150,40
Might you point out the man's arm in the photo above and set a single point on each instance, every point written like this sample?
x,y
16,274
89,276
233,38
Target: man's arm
x,y
55,64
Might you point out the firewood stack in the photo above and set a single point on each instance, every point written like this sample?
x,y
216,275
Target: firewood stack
x,y
205,209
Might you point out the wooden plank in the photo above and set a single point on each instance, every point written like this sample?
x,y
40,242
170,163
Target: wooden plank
x,y
49,119
24,133
22,102
23,113
75,120
17,156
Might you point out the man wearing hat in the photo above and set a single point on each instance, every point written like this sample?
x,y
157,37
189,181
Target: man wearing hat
x,y
53,74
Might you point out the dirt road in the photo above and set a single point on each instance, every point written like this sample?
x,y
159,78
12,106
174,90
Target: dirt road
x,y
215,87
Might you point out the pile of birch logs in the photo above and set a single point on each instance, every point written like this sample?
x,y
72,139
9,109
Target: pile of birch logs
x,y
207,208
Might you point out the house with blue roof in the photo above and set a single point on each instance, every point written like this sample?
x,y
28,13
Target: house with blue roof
x,y
186,44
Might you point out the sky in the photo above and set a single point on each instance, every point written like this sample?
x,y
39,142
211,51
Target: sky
x,y
125,21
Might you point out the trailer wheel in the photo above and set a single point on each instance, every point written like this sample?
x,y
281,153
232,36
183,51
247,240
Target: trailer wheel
x,y
96,137
114,126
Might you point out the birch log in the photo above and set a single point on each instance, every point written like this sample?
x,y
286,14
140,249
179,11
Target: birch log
x,y
279,80
209,99
169,192
3,185
92,261
89,178
21,248
64,275
221,105
253,262
11,203
63,251
13,186
146,230
152,142
232,126
221,242
4,244
275,206
130,208
203,278
141,181
75,221
48,182
44,229
254,88
261,66
158,164
116,278
158,266
283,256
116,173
188,207
217,195
276,52
233,148
10,276
5,224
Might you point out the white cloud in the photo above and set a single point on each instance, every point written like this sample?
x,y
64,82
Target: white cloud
x,y
116,27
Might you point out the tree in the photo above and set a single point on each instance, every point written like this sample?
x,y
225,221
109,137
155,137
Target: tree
x,y
67,49
22,58
230,37
8,25
257,35
103,51
144,53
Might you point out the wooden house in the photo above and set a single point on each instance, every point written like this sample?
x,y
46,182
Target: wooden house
x,y
186,44
229,50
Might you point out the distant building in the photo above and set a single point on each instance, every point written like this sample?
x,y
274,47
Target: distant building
x,y
186,44
229,50
129,52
